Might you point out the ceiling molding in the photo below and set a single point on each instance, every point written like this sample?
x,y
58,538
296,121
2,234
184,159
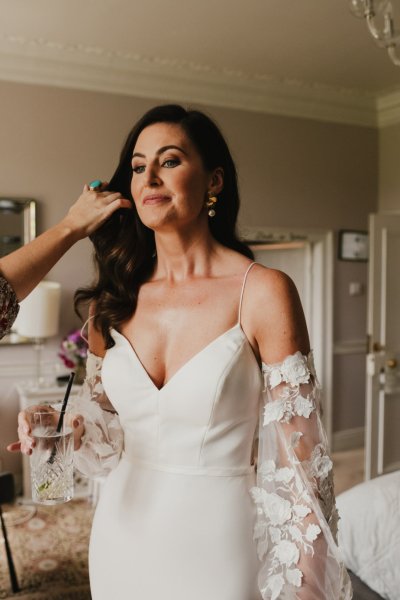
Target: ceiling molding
x,y
388,109
41,61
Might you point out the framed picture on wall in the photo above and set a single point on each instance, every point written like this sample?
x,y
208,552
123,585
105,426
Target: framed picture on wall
x,y
353,245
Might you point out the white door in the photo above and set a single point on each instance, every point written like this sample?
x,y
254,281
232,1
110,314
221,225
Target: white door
x,y
382,444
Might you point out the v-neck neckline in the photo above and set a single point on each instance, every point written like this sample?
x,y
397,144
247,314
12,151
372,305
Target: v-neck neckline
x,y
185,364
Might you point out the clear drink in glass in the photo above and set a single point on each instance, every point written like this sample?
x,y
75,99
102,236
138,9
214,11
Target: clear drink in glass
x,y
51,460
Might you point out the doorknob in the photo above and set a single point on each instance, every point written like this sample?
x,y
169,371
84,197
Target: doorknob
x,y
391,363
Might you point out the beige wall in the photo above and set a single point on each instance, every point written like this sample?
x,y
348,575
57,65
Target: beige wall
x,y
293,173
302,173
389,171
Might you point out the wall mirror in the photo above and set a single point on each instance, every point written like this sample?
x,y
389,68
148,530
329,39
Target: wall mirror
x,y
17,227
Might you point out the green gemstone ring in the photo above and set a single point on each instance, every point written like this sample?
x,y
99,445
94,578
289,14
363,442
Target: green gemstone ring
x,y
93,185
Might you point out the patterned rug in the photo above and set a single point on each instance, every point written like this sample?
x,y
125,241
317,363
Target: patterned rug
x,y
49,548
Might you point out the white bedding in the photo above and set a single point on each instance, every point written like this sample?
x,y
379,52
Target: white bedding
x,y
369,533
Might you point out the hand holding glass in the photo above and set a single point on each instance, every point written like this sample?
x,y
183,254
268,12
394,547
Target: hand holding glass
x,y
52,457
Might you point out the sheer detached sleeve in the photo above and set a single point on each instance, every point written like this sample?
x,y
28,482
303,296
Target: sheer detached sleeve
x,y
102,441
297,519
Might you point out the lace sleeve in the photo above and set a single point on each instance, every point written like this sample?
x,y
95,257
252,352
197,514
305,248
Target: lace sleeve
x,y
9,307
296,513
102,441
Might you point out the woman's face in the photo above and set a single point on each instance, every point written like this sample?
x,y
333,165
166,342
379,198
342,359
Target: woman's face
x,y
169,182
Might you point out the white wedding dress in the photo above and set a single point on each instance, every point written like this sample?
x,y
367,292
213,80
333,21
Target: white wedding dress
x,y
182,514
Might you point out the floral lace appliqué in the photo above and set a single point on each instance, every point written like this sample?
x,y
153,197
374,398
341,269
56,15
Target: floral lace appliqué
x,y
319,469
102,442
281,529
293,371
294,496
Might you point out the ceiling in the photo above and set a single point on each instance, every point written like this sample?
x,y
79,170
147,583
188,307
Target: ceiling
x,y
297,57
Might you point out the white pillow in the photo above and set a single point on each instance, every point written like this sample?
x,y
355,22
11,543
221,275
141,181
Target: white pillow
x,y
369,533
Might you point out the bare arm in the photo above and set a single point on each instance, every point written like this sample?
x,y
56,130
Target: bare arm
x,y
26,267
280,329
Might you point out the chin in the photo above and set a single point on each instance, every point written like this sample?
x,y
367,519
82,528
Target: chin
x,y
154,224
158,222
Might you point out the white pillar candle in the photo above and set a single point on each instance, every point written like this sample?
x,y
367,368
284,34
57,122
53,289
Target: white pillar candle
x,y
40,311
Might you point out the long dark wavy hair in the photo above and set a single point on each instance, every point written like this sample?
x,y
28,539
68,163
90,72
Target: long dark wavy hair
x,y
125,248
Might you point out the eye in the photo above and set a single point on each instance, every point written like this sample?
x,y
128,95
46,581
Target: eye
x,y
138,169
170,163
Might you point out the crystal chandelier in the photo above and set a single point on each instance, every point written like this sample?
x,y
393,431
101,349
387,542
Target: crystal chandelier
x,y
378,15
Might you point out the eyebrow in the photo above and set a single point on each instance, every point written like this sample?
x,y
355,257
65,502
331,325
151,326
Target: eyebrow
x,y
161,151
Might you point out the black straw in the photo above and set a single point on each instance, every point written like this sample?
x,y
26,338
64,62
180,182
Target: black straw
x,y
62,413
65,401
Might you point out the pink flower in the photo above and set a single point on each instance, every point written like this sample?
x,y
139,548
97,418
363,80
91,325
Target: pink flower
x,y
73,351
68,363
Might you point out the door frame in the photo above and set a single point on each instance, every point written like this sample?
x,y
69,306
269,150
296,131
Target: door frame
x,y
376,357
321,269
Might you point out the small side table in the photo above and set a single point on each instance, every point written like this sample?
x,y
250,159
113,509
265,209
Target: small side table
x,y
29,396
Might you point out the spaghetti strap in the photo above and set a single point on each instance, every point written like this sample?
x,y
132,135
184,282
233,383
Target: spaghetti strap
x,y
243,286
83,327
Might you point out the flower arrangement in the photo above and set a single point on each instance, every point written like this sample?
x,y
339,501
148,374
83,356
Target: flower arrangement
x,y
73,353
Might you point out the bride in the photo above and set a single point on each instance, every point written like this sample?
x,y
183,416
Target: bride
x,y
201,402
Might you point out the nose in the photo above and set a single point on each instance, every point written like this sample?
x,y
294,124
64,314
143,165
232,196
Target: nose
x,y
152,176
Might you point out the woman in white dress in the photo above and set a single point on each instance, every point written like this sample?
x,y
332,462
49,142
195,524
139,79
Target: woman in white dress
x,y
195,352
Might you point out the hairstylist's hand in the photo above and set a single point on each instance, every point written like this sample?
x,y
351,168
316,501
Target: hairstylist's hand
x,y
92,208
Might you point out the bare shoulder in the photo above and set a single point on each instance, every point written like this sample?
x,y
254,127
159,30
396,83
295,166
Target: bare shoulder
x,y
97,343
274,314
276,284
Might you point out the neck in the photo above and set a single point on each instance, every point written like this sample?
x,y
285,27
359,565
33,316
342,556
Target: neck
x,y
185,254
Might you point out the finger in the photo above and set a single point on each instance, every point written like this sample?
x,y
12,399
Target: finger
x,y
109,194
23,421
110,197
86,187
77,421
22,436
24,432
24,429
23,424
27,445
113,197
125,203
71,417
116,204
27,442
26,450
14,447
121,203
79,429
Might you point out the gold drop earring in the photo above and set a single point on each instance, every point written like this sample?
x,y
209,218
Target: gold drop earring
x,y
210,205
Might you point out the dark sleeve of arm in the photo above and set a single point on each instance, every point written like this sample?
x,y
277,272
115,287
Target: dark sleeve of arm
x,y
9,307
